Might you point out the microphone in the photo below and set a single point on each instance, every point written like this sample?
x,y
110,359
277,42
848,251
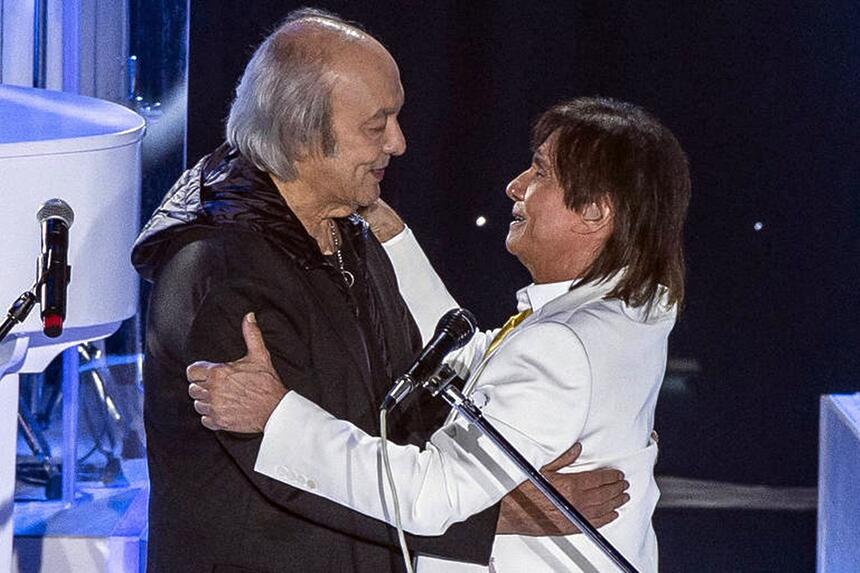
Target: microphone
x,y
56,217
453,330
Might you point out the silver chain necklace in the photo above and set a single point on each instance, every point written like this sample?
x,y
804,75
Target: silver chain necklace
x,y
348,277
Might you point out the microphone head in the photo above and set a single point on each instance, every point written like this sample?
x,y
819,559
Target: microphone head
x,y
459,324
56,209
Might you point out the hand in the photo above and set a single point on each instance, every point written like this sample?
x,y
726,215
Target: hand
x,y
237,396
384,221
596,494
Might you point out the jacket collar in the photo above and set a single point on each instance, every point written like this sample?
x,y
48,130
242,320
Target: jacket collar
x,y
224,189
235,192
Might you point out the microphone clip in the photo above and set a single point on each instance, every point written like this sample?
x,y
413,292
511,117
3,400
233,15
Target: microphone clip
x,y
436,384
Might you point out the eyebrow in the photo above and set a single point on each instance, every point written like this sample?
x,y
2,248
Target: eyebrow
x,y
386,111
539,160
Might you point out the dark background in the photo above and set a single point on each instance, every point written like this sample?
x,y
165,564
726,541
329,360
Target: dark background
x,y
763,98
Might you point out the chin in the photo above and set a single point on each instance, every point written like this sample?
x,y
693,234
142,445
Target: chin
x,y
368,197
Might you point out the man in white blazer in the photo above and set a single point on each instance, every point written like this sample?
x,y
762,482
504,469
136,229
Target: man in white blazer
x,y
597,221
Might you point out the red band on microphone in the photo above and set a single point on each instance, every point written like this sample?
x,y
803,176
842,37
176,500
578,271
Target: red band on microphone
x,y
52,325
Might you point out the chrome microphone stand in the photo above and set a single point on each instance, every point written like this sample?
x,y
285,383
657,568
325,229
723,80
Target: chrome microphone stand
x,y
441,384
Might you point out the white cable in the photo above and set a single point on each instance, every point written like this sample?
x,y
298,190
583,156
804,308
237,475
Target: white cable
x,y
400,536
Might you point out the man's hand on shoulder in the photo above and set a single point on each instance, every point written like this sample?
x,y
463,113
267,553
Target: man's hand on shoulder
x,y
237,396
384,221
595,494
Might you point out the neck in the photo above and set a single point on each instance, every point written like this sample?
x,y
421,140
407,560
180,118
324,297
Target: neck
x,y
315,216
568,267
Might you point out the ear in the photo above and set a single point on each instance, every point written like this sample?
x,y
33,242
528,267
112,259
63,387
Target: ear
x,y
594,216
592,213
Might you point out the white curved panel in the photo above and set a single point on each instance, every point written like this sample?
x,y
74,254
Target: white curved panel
x,y
86,152
45,122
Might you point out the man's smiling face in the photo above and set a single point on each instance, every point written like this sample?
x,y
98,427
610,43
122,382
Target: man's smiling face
x,y
544,231
366,99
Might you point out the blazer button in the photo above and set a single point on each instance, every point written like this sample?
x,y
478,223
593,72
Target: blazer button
x,y
479,399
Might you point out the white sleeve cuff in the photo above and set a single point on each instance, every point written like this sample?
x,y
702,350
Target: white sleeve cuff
x,y
405,234
283,450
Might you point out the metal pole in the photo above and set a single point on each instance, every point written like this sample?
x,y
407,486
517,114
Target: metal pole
x,y
2,26
71,367
40,43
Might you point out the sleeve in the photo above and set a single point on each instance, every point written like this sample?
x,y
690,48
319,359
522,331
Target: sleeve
x,y
216,336
537,400
428,298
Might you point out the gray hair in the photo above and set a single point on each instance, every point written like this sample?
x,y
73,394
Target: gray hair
x,y
282,108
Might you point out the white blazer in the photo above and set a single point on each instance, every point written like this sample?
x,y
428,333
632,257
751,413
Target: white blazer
x,y
581,368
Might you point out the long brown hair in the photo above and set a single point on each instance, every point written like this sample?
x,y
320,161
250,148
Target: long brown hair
x,y
607,149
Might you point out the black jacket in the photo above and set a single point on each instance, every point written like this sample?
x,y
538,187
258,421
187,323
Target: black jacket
x,y
224,243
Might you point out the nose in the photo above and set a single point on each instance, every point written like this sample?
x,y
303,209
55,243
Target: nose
x,y
517,187
395,141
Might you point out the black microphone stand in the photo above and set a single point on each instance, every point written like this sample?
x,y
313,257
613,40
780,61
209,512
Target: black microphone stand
x,y
20,310
440,384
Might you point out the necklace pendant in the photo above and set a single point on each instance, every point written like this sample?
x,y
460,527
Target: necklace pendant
x,y
348,278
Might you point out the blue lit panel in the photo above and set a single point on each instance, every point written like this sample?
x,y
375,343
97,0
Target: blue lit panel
x,y
838,485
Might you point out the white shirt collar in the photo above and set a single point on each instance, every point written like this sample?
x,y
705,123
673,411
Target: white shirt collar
x,y
535,296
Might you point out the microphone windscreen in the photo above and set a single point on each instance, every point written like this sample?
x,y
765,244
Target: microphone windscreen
x,y
460,324
56,209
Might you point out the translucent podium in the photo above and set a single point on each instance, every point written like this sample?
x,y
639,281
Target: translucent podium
x,y
86,152
838,484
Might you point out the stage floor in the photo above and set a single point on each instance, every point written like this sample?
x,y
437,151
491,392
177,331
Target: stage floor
x,y
104,531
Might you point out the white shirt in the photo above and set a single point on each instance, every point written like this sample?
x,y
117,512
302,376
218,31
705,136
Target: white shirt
x,y
580,368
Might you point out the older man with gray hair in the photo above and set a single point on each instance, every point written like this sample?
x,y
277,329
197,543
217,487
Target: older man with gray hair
x,y
267,223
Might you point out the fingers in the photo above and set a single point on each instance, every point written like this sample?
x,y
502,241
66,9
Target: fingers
x,y
209,423
564,460
203,408
198,392
608,506
199,370
615,489
603,520
254,339
600,495
601,477
577,485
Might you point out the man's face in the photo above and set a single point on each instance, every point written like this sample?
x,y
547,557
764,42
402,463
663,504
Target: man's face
x,y
543,233
366,99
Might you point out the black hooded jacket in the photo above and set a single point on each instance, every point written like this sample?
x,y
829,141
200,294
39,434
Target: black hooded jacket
x,y
224,243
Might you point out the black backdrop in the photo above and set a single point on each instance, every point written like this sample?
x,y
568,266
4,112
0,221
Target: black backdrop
x,y
763,97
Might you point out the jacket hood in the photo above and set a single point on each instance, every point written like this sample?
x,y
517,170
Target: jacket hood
x,y
226,190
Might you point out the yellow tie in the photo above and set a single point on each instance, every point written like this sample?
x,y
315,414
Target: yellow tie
x,y
511,324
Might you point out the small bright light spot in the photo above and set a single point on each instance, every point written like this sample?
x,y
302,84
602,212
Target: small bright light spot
x,y
481,221
758,226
